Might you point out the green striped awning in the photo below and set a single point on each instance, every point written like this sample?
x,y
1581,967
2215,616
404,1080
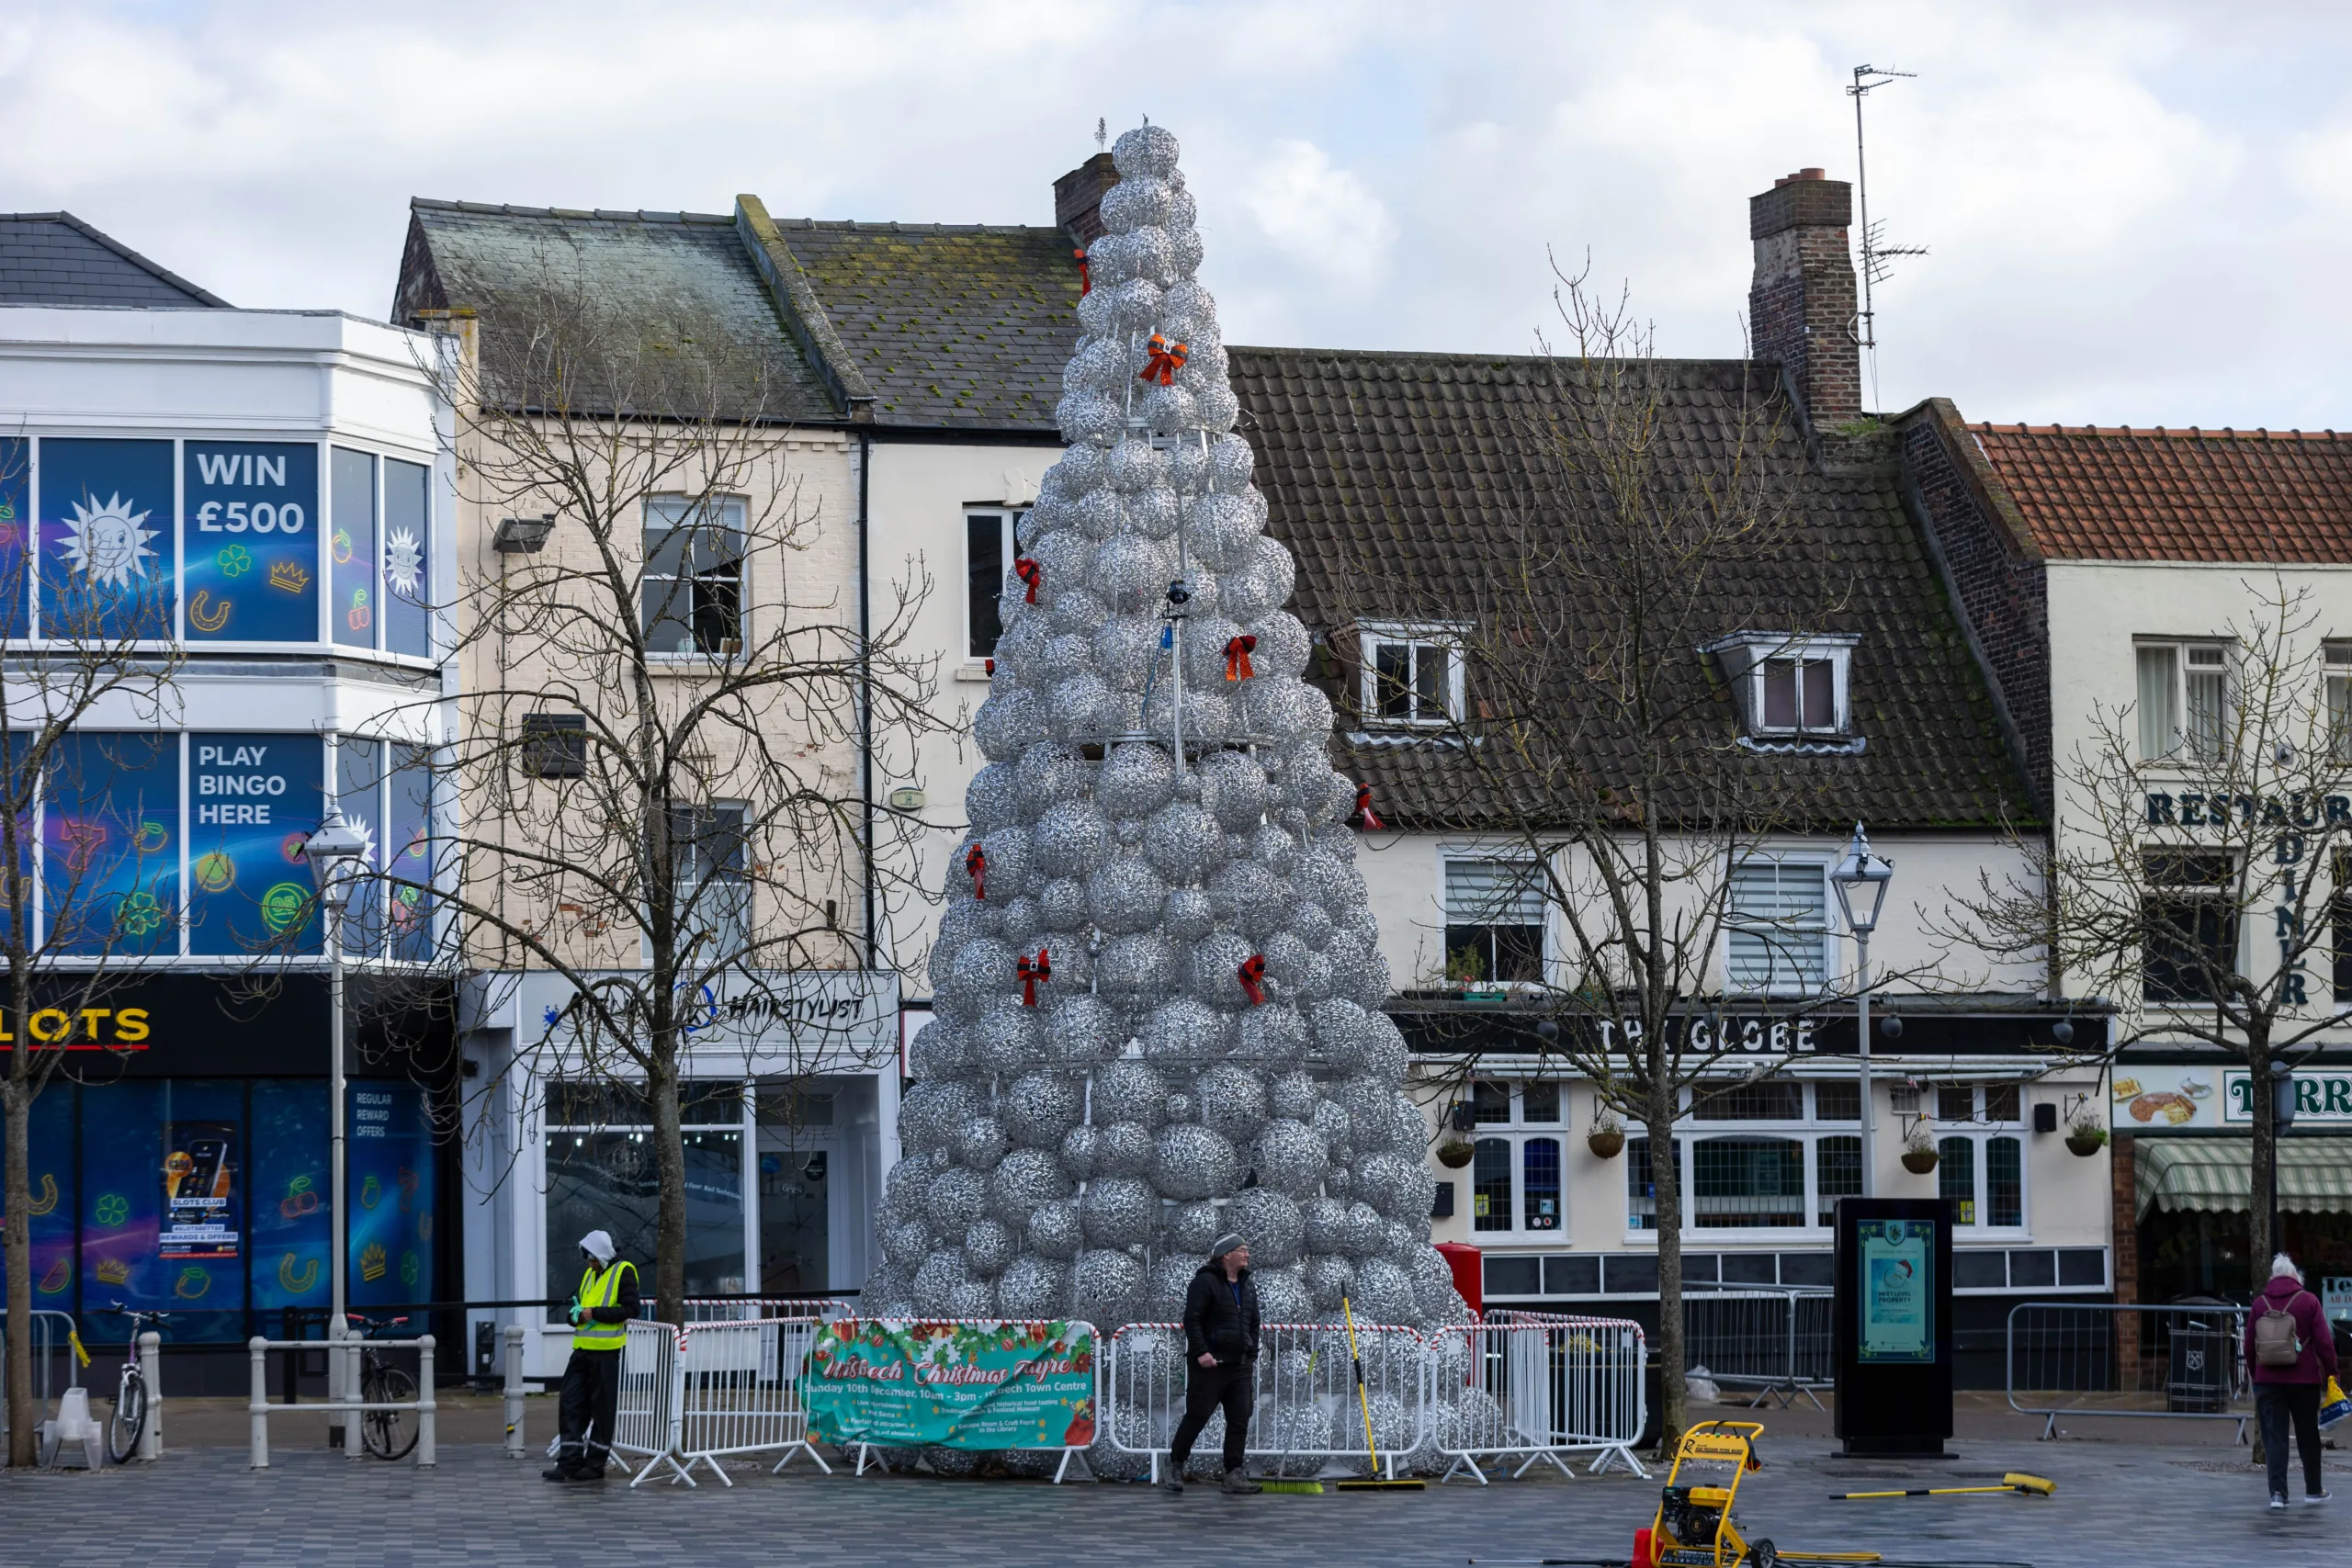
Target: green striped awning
x,y
2216,1174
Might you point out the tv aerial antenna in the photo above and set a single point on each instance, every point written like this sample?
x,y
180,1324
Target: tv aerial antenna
x,y
1878,256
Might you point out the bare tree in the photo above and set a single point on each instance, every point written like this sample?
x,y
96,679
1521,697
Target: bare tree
x,y
2199,877
85,904
666,691
1597,746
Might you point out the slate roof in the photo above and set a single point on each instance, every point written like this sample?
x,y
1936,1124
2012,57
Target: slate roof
x,y
960,327
666,277
1385,472
54,258
2097,493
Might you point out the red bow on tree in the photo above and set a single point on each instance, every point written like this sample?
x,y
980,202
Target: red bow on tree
x,y
1033,973
1236,658
975,865
1167,358
1253,975
1365,818
1085,283
1030,572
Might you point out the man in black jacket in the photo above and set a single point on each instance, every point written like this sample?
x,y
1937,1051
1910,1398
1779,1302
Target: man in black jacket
x,y
1221,1342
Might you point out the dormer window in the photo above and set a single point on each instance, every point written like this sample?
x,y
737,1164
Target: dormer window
x,y
1790,688
1412,674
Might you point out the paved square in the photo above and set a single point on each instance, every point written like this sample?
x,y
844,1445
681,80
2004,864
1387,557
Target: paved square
x,y
202,1508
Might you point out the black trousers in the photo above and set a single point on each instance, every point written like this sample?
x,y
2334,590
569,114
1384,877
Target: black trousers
x,y
1232,1385
591,1394
2276,1404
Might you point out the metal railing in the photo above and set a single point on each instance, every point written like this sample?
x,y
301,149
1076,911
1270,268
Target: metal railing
x,y
351,1350
2176,1362
739,1392
1779,1343
1537,1387
51,1332
1307,1415
645,1414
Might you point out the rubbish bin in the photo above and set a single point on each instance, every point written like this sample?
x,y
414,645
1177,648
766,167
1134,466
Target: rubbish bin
x,y
2202,1356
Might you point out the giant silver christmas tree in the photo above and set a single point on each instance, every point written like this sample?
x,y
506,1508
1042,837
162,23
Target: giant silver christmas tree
x,y
1157,975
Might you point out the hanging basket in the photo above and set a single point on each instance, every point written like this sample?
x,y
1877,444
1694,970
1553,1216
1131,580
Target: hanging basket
x,y
1456,1153
1918,1162
2087,1142
1606,1141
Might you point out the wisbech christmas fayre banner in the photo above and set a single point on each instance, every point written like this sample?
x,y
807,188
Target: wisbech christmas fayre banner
x,y
1157,980
959,1385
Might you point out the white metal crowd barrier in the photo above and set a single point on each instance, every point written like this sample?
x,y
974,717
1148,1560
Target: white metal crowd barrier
x,y
1777,1342
646,1413
2168,1363
749,1309
1306,1415
1537,1387
259,1408
740,1391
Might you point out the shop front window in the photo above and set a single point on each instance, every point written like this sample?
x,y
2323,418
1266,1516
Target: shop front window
x,y
1490,1186
1539,1165
796,1176
602,1175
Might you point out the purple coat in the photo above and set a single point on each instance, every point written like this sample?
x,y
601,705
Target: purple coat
x,y
2318,1360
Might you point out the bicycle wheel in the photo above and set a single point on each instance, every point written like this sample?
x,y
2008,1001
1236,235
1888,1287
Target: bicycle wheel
x,y
129,1417
389,1434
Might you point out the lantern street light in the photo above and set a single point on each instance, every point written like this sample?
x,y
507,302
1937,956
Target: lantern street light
x,y
1860,880
334,853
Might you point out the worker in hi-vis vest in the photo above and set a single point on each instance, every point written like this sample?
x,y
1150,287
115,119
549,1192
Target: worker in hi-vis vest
x,y
600,1311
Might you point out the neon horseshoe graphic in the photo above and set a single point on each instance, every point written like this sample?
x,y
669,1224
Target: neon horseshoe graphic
x,y
200,618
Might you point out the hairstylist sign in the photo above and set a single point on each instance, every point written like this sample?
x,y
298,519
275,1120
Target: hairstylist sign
x,y
963,1385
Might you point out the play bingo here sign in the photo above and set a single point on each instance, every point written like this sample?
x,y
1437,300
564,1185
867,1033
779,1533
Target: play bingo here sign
x,y
963,1385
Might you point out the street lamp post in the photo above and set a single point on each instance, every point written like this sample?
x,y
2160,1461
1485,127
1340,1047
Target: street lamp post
x,y
1860,880
333,851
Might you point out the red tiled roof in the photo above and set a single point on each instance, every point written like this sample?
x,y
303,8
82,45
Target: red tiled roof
x,y
2098,493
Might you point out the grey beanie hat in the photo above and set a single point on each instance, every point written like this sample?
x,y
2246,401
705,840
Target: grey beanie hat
x,y
1226,1243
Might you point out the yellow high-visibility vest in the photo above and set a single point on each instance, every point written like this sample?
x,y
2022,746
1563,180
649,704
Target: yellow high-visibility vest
x,y
601,1289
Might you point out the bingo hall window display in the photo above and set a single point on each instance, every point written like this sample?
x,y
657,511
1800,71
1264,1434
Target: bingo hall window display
x,y
215,542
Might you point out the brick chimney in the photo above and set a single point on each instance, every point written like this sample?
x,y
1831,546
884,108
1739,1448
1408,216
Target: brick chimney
x,y
1801,305
1078,196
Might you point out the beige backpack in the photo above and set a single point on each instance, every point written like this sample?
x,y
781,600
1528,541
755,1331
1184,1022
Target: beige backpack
x,y
2277,1341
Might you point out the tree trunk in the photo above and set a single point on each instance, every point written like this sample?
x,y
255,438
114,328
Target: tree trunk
x,y
18,1100
669,1169
1666,1184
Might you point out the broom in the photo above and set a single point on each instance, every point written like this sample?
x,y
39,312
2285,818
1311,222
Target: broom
x,y
1363,1403
2024,1485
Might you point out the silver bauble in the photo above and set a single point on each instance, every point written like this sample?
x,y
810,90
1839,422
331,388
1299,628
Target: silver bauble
x,y
1363,1237
1336,1128
1022,1180
1385,1181
1148,152
1273,1224
1233,1100
1135,968
1122,1148
1039,1109
1063,902
1033,1287
1124,895
1193,1228
1079,1031
937,1281
1106,1287
1165,1286
1068,840
1047,776
1384,1293
1271,1036
988,801
1185,1030
1189,914
979,1142
1136,779
930,1114
1179,841
1076,706
1290,1158
1057,1229
908,1242
1329,1279
982,966
1289,962
1129,1091
988,1246
1189,1160
956,1198
1330,1231
1216,976
1007,1040
1136,465
1293,1094
1009,724
1081,1150
938,1049
1282,1295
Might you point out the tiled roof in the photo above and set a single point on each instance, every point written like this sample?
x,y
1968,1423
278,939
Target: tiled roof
x,y
1385,472
2186,495
664,279
963,327
54,258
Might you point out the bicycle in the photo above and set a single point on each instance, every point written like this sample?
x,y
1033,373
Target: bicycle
x,y
129,1417
388,1434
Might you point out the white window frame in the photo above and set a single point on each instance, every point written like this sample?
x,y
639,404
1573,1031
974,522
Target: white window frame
x,y
1447,858
2336,693
1518,1132
1008,550
1808,1131
1373,635
1746,656
2192,659
1806,860
1979,1130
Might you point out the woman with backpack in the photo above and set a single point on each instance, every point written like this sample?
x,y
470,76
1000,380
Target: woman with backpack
x,y
2290,1351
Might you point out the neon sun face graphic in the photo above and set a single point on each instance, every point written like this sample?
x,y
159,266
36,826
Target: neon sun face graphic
x,y
108,545
404,562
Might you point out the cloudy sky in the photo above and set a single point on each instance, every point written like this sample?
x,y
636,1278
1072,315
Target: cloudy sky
x,y
2134,213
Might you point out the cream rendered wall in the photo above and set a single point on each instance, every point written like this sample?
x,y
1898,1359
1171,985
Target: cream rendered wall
x,y
2097,607
917,496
